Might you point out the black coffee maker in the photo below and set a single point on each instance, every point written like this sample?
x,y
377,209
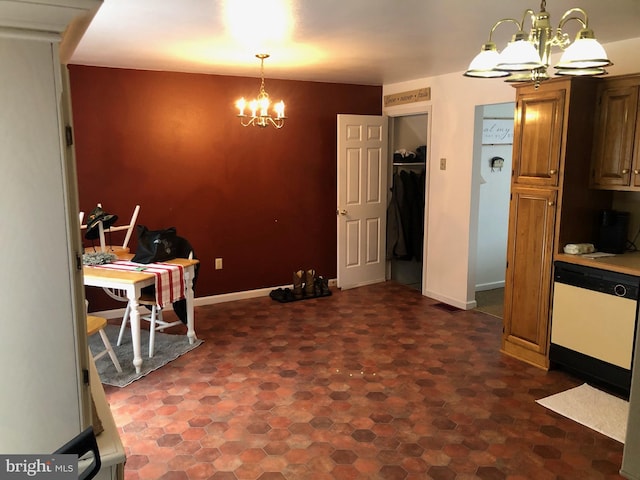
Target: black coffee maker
x,y
613,229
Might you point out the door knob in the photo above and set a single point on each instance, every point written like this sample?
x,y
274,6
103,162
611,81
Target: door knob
x,y
636,172
341,212
551,203
625,171
552,172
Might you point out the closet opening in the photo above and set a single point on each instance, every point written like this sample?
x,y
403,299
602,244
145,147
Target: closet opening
x,y
407,194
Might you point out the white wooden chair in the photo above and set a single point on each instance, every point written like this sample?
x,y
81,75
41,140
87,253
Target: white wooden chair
x,y
96,325
114,228
155,319
119,295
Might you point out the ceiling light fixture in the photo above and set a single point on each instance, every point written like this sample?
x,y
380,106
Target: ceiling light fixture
x,y
259,106
526,57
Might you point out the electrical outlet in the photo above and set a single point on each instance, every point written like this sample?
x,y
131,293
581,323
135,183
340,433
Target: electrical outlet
x,y
218,264
443,164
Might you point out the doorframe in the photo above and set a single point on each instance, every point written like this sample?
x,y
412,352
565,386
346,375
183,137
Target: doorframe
x,y
474,215
402,111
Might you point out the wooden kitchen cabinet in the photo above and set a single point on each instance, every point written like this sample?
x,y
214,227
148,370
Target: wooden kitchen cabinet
x,y
615,162
527,286
550,204
538,136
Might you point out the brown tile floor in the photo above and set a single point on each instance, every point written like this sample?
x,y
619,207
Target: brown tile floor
x,y
371,383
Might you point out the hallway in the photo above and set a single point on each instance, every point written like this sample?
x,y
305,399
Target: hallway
x,y
377,382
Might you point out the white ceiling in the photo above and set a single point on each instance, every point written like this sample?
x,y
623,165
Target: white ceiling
x,y
370,42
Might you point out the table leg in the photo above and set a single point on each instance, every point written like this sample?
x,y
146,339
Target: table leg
x,y
188,278
134,319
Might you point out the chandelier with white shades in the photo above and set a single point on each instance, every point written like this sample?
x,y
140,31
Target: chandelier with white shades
x,y
526,57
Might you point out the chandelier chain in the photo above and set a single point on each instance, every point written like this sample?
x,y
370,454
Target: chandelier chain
x,y
263,93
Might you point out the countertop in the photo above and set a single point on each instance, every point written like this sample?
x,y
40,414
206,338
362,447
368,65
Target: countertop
x,y
628,263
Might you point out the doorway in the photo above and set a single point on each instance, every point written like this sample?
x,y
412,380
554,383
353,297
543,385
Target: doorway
x,y
492,186
407,194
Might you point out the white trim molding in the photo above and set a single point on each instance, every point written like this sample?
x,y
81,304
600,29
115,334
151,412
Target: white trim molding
x,y
211,299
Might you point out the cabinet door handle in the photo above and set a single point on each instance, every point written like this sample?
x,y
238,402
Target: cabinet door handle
x,y
551,203
636,172
625,171
552,172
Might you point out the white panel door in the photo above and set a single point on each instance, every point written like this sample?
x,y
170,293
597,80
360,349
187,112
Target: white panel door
x,y
362,199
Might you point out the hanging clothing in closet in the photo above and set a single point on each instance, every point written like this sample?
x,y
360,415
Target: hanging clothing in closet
x,y
405,216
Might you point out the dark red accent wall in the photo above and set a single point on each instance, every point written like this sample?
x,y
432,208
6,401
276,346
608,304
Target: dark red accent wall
x,y
262,199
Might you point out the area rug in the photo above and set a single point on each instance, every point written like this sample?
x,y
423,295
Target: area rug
x,y
592,408
167,348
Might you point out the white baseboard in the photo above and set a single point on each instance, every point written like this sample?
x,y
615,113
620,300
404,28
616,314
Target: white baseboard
x,y
211,299
451,301
363,284
233,296
481,287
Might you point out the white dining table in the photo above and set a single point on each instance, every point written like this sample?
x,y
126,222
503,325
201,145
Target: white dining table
x,y
132,283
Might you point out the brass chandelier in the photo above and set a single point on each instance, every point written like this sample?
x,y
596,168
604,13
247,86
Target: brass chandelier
x,y
259,106
526,57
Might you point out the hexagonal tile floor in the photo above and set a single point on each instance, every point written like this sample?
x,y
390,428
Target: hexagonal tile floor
x,y
376,382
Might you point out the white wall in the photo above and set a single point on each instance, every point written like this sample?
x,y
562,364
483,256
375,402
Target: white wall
x,y
450,241
453,102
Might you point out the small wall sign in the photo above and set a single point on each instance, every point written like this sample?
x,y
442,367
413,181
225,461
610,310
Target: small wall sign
x,y
497,131
412,96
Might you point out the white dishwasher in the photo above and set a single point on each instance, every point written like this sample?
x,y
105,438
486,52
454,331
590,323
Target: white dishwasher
x,y
593,323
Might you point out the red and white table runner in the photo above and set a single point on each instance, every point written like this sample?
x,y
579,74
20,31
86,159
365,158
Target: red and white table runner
x,y
169,278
